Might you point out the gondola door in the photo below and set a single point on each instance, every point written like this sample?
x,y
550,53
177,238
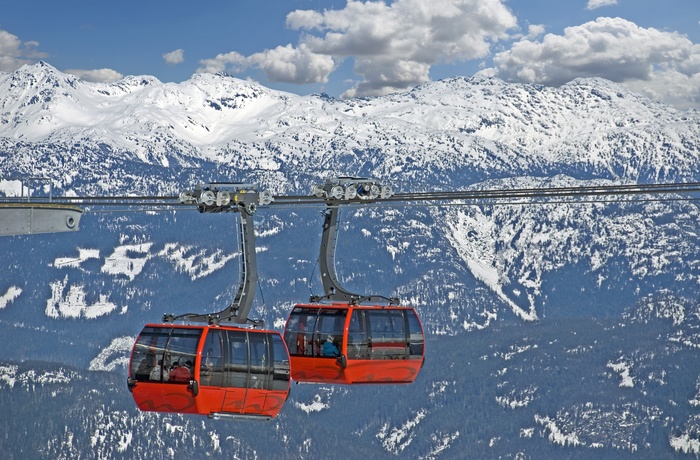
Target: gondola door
x,y
257,378
211,372
236,374
256,373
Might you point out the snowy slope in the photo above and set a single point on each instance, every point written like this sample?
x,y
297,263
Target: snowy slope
x,y
79,299
590,127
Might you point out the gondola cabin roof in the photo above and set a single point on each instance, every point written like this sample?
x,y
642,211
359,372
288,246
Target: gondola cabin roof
x,y
216,370
354,344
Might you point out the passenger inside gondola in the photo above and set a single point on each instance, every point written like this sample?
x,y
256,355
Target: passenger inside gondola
x,y
182,372
161,370
146,366
329,349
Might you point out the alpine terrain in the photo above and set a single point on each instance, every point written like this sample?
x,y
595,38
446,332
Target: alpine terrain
x,y
558,329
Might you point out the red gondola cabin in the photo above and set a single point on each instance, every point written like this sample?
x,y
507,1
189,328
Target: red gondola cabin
x,y
218,371
348,344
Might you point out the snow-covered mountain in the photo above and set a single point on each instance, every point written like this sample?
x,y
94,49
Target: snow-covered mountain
x,y
479,273
481,128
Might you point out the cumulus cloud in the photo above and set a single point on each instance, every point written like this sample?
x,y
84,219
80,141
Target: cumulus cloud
x,y
393,46
593,4
535,30
175,57
613,48
222,62
96,75
282,64
14,53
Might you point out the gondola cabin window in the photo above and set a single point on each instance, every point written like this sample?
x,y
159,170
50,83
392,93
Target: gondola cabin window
x,y
280,364
212,369
165,355
385,334
309,328
256,361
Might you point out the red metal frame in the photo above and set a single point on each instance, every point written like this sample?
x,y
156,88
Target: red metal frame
x,y
199,398
342,370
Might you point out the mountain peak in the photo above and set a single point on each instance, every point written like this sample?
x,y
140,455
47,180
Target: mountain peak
x,y
478,122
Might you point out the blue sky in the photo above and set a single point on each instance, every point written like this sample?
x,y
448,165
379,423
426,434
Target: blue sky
x,y
361,48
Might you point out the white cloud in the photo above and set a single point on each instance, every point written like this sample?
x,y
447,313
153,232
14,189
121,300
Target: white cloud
x,y
293,65
663,65
681,90
593,4
96,75
282,64
393,45
535,30
14,54
175,57
221,62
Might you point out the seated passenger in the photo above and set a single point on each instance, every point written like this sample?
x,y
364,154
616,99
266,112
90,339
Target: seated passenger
x,y
161,370
146,366
181,373
329,348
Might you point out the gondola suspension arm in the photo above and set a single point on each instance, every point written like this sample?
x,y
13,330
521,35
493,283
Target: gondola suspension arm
x,y
243,199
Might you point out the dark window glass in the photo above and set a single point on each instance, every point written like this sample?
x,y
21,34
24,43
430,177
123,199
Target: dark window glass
x,y
299,331
160,350
149,349
415,334
358,339
260,366
212,368
328,335
388,337
236,367
181,351
280,359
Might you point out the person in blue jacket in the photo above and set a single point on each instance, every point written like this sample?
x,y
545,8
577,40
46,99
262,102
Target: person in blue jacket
x,y
329,348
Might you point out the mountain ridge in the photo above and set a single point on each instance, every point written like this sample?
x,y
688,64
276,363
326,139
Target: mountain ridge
x,y
550,307
480,122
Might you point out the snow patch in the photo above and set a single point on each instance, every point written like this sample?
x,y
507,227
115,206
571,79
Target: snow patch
x,y
11,377
685,443
317,405
396,439
8,374
73,304
556,435
517,398
472,238
11,188
116,355
8,297
196,264
441,443
623,368
74,262
124,261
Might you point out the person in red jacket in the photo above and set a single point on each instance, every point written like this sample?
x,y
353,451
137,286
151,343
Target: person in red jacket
x,y
181,373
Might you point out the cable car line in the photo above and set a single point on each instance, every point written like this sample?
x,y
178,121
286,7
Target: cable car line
x,y
171,201
240,370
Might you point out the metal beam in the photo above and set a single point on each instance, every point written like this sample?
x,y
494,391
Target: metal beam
x,y
33,218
